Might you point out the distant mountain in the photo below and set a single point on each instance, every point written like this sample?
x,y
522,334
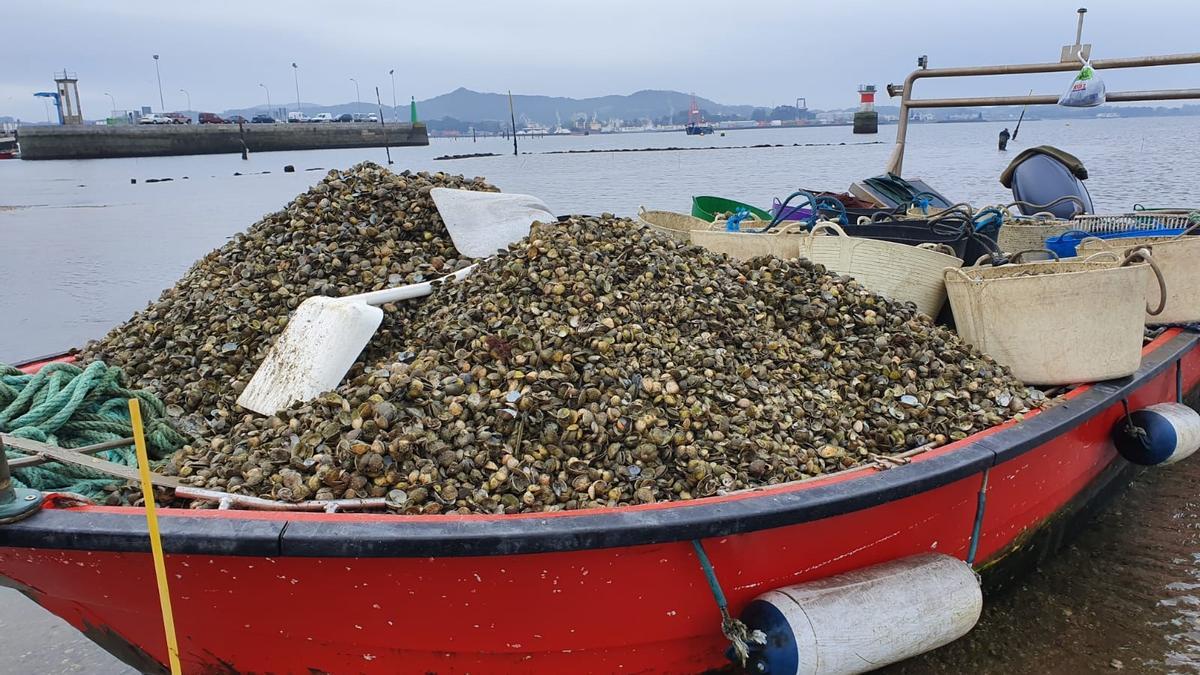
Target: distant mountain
x,y
465,104
475,106
462,108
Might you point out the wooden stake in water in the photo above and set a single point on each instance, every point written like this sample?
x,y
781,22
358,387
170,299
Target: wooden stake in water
x,y
513,116
160,566
1021,118
383,126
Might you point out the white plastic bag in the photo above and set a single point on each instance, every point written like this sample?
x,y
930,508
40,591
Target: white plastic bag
x,y
1086,91
480,223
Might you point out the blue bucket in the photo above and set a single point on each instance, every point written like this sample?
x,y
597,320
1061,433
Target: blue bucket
x,y
1065,244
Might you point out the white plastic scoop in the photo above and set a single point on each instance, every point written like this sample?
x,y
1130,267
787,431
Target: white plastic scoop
x,y
325,335
320,343
481,223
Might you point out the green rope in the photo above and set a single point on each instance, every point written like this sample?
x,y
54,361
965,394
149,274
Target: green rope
x,y
70,407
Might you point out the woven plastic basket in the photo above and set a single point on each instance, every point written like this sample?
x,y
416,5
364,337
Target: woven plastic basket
x,y
898,271
1020,234
1054,322
1124,222
677,226
781,242
1179,260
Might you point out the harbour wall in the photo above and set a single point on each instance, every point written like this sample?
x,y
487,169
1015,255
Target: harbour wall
x,y
98,142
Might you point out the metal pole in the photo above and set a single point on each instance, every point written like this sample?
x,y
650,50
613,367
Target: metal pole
x,y
162,106
114,103
189,99
296,73
357,94
1079,27
269,111
395,114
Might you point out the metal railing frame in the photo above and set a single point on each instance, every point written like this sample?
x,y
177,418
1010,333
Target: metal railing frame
x,y
907,103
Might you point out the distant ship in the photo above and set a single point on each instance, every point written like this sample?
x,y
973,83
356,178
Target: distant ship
x,y
534,129
696,125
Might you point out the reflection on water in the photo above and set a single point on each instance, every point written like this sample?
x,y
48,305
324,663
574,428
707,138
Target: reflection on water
x,y
93,248
1125,596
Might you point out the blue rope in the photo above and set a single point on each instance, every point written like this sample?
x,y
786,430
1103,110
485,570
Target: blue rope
x,y
740,637
711,576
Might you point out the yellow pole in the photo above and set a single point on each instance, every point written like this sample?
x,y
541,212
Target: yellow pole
x,y
160,565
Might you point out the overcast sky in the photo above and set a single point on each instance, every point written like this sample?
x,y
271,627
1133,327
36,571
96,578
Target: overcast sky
x,y
745,52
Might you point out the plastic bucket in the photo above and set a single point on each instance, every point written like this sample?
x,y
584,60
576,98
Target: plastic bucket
x,y
708,208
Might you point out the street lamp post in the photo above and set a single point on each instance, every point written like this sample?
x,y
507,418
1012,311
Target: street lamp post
x,y
269,112
189,99
395,113
296,73
357,94
161,105
114,103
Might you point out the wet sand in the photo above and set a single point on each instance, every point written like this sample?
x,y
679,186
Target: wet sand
x,y
1125,596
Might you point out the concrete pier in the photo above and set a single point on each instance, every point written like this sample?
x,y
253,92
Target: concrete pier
x,y
98,142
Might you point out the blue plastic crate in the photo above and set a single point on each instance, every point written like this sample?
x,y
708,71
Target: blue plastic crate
x,y
1065,244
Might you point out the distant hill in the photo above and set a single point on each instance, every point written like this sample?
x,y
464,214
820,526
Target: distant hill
x,y
489,111
465,104
475,106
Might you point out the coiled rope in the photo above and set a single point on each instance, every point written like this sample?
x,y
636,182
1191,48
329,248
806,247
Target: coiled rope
x,y
70,407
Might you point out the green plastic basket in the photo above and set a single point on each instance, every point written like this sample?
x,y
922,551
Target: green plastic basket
x,y
708,208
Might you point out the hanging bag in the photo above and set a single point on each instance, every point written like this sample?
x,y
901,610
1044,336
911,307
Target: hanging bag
x,y
1086,91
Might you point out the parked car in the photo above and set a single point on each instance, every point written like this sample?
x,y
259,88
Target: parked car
x,y
344,117
237,119
322,117
297,117
359,117
178,118
262,119
154,118
372,117
212,118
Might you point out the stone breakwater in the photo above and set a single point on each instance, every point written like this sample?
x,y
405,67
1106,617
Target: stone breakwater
x,y
99,142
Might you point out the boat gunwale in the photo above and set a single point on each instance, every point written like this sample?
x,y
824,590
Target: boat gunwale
x,y
216,532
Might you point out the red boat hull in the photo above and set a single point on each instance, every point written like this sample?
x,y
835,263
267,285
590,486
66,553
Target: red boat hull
x,y
564,592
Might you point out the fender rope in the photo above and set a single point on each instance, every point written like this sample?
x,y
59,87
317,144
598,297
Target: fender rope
x,y
740,637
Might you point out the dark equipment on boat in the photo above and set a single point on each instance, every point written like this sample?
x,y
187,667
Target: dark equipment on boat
x,y
1045,174
891,190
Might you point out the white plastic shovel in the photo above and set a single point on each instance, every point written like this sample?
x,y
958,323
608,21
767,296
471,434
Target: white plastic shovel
x,y
325,335
481,223
320,343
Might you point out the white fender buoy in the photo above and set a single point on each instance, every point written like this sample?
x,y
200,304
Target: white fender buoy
x,y
865,619
1169,432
